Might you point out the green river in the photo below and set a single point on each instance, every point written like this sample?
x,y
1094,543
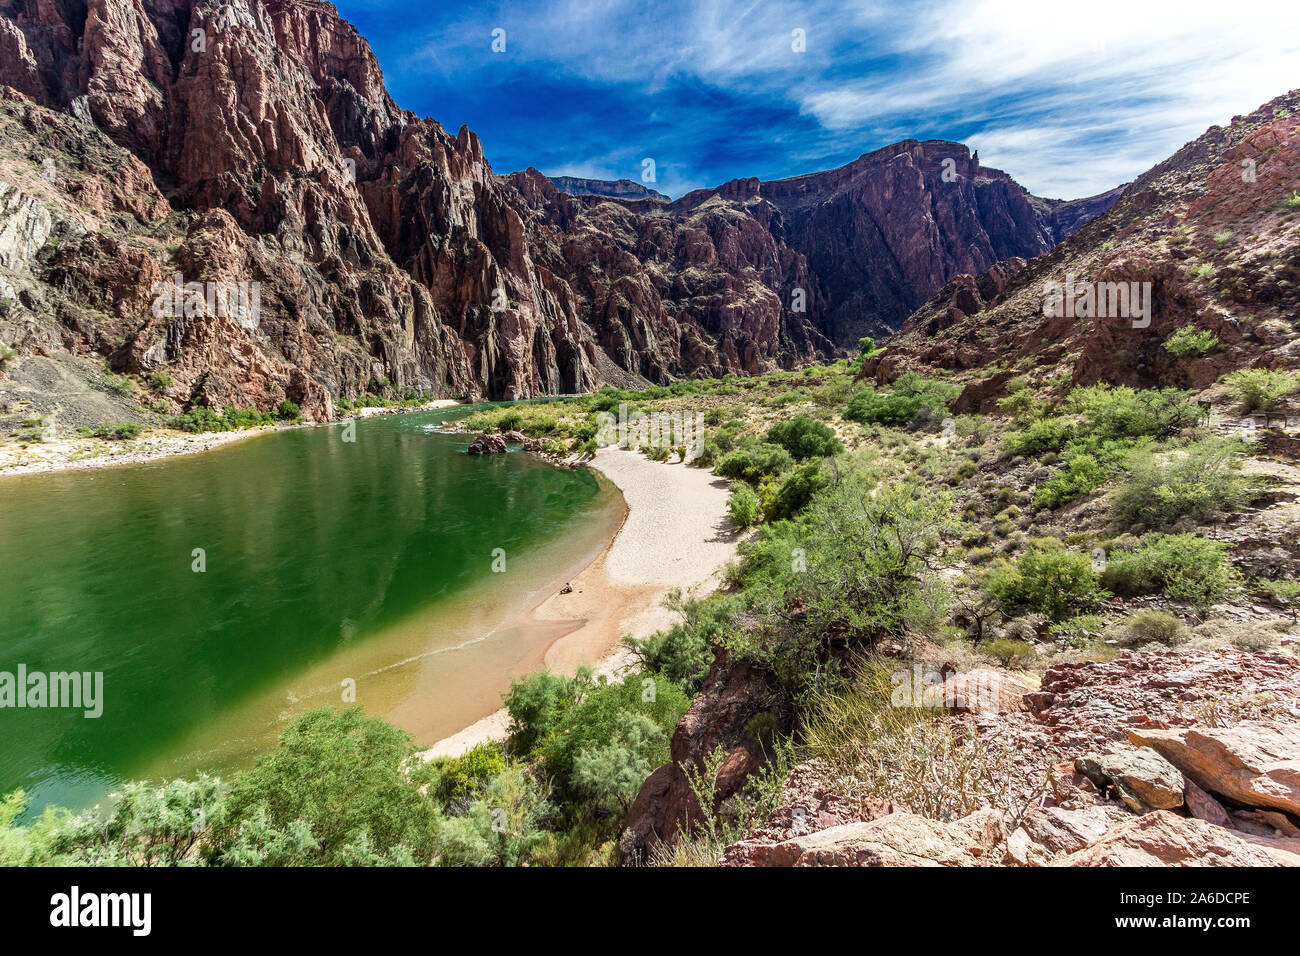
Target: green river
x,y
328,564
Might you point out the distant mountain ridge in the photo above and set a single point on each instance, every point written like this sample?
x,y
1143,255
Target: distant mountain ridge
x,y
614,188
1214,230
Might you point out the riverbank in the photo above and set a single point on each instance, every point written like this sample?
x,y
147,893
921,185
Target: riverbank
x,y
676,535
75,453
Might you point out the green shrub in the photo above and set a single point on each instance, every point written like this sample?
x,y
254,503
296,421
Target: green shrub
x,y
755,462
910,393
743,505
1022,404
1082,474
1261,389
1182,566
121,431
1079,630
1046,434
1153,627
1121,412
334,791
805,437
606,744
1283,591
684,651
466,776
536,704
501,828
1051,581
1187,340
1197,481
786,497
288,411
858,567
1009,652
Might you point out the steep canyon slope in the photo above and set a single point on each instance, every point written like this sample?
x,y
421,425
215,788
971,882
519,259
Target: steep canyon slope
x,y
254,142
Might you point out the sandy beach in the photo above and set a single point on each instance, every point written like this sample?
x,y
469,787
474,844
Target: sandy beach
x,y
676,535
74,453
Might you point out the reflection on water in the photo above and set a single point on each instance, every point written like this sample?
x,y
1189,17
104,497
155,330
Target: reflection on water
x,y
325,561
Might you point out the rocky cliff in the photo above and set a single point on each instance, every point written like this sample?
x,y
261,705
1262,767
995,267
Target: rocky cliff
x,y
1211,233
252,145
880,231
617,188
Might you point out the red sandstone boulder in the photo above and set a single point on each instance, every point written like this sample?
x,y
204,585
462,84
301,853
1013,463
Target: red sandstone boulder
x,y
1165,839
1256,763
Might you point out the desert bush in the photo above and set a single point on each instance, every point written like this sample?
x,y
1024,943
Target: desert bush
x,y
1043,435
1182,566
938,768
1121,412
503,827
1152,627
1198,481
462,778
1187,340
786,497
1282,591
1051,581
335,791
910,392
120,431
1261,389
683,652
804,438
755,462
743,505
1080,630
602,748
1009,652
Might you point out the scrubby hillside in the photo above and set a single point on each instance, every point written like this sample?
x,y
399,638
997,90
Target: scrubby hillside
x,y
1214,230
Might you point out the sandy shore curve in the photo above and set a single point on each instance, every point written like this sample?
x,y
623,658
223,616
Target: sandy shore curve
x,y
676,535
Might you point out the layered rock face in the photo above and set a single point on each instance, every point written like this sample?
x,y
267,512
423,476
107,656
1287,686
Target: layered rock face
x,y
1207,237
672,290
616,188
253,142
388,256
885,231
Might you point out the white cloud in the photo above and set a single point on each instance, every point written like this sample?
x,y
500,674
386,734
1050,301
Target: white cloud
x,y
1070,99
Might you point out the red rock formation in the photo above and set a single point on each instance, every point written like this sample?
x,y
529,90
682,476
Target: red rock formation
x,y
732,695
394,260
1209,229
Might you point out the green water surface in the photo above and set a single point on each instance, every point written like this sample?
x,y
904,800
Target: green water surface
x,y
312,545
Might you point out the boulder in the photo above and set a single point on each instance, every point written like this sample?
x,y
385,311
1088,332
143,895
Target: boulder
x,y
1162,838
899,839
1143,779
487,445
1046,833
984,691
1255,764
1203,806
733,693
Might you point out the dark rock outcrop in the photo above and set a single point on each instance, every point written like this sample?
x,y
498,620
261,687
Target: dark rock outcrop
x,y
487,445
732,695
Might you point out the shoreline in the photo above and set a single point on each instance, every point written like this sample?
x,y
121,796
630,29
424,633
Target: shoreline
x,y
676,534
43,458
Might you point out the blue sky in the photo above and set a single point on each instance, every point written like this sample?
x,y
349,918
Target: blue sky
x,y
1069,99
